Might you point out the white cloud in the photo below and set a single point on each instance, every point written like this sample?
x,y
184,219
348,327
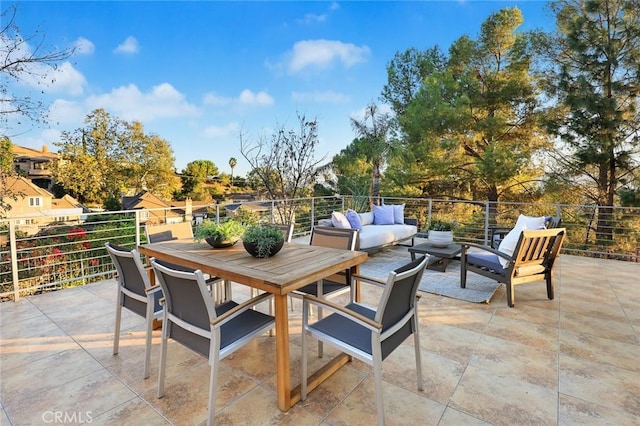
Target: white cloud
x,y
320,97
323,53
312,18
246,97
334,6
129,103
262,98
128,47
84,46
231,129
63,112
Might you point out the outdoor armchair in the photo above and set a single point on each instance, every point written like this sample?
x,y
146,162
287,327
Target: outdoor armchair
x,y
533,259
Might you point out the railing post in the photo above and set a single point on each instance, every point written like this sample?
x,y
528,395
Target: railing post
x,y
342,200
218,213
273,206
486,222
137,227
313,213
429,213
14,260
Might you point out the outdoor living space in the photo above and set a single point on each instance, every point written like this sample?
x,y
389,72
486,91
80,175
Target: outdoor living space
x,y
571,360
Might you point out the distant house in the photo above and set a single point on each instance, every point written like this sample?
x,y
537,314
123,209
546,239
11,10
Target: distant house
x,y
154,209
35,165
35,206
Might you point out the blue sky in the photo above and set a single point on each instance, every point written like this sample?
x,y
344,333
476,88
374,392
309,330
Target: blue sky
x,y
197,73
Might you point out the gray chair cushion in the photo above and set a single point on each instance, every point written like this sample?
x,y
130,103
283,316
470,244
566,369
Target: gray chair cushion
x,y
486,260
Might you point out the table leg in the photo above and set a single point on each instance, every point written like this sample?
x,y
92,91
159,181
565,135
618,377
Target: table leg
x,y
283,367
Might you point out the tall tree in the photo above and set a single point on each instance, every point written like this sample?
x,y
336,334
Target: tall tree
x,y
475,124
285,163
597,82
6,170
24,59
232,163
374,143
195,175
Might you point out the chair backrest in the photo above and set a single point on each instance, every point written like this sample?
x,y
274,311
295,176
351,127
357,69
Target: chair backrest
x,y
398,301
188,305
132,278
538,247
345,239
287,230
553,222
168,231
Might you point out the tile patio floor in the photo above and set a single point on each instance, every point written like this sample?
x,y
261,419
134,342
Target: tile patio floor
x,y
573,360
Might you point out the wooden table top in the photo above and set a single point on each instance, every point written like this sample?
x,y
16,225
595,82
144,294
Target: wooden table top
x,y
295,266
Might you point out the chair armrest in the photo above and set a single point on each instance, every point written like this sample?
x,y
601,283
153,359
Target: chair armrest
x,y
411,221
153,288
369,280
497,252
341,310
232,313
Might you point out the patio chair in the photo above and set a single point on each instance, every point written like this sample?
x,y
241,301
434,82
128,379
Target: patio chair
x,y
191,319
168,231
533,259
135,293
180,230
367,334
497,234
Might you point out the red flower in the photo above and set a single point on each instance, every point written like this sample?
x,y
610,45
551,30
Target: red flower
x,y
77,233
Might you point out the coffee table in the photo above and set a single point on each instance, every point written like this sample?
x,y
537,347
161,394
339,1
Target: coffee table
x,y
438,256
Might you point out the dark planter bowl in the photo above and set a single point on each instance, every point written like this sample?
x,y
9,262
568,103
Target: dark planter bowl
x,y
253,251
217,242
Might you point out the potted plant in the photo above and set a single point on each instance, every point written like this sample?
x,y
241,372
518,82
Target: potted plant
x,y
219,234
263,240
441,233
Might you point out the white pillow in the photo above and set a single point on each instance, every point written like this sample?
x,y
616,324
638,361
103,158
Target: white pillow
x,y
509,242
366,218
340,221
531,222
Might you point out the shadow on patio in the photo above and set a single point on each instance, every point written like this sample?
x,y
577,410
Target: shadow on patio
x,y
573,360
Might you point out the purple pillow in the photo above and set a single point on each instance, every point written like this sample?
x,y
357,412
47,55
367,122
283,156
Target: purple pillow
x,y
382,215
398,214
354,220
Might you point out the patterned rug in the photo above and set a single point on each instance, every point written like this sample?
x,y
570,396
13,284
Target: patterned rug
x,y
479,289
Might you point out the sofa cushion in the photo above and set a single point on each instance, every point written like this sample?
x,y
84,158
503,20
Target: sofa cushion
x,y
354,219
366,218
383,215
340,221
381,235
398,214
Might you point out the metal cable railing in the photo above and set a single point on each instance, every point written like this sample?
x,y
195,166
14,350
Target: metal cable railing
x,y
39,254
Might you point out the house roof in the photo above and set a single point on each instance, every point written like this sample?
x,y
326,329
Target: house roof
x,y
143,199
22,186
24,152
66,202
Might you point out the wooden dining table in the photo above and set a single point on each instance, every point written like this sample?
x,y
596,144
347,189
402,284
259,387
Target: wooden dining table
x,y
295,266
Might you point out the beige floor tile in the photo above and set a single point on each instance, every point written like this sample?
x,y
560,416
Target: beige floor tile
x,y
452,417
516,360
463,316
15,312
132,413
60,300
604,385
46,374
525,332
503,400
19,352
32,325
574,411
259,407
85,397
449,341
597,326
543,314
401,407
599,349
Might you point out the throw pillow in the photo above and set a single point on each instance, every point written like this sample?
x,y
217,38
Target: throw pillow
x,y
398,214
366,218
383,215
340,221
509,242
354,220
531,222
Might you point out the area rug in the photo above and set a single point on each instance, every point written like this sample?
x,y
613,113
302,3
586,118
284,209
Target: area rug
x,y
479,289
